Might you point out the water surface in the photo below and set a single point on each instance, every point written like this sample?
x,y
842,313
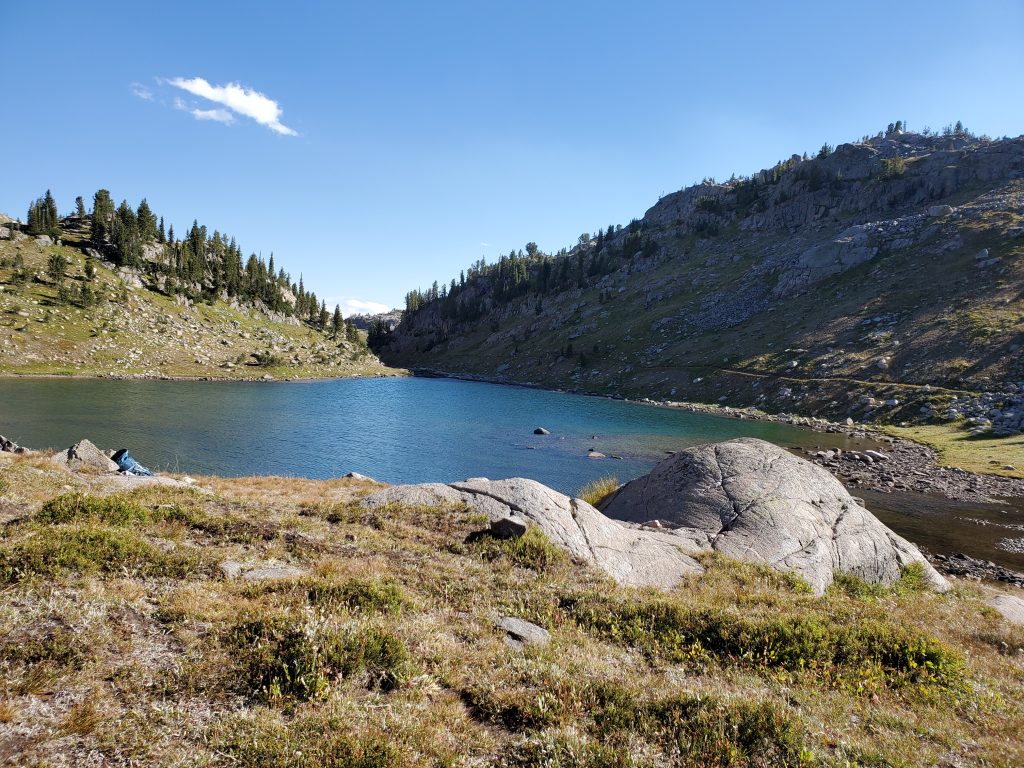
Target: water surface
x,y
397,430
426,430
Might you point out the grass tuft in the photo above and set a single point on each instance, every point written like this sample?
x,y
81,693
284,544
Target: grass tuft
x,y
283,658
533,550
597,491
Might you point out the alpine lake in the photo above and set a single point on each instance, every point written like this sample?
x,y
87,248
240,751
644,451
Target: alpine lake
x,y
412,430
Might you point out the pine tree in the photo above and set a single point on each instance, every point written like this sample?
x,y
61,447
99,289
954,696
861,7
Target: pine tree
x,y
336,322
80,208
51,212
323,316
56,267
125,236
146,222
161,233
102,215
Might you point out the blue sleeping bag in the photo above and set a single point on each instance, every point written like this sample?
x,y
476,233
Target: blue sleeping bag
x,y
128,465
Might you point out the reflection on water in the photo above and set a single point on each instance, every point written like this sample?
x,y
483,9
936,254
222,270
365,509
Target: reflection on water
x,y
945,526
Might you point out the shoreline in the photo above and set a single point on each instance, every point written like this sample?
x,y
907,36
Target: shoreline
x,y
398,373
905,455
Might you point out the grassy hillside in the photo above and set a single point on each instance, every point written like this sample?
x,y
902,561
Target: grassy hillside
x,y
128,328
123,641
828,286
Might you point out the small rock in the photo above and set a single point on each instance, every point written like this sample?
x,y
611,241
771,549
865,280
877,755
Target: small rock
x,y
267,571
508,527
541,431
938,211
521,633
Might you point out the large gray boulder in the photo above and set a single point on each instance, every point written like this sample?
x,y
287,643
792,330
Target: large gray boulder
x,y
752,500
85,455
632,555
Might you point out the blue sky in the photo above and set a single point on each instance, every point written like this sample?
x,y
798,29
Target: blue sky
x,y
396,142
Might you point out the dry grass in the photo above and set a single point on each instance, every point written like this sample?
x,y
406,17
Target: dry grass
x,y
385,653
599,490
957,448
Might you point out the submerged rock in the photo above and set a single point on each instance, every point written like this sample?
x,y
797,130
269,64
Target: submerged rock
x,y
752,500
631,555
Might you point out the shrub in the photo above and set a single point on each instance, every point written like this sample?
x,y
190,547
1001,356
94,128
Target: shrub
x,y
114,510
836,648
893,167
311,741
359,594
287,659
912,580
93,549
532,550
710,732
75,507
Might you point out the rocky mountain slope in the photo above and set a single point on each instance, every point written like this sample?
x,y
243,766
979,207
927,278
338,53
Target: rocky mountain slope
x,y
99,319
881,280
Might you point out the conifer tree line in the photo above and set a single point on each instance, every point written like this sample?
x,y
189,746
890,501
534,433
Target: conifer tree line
x,y
531,271
42,216
199,264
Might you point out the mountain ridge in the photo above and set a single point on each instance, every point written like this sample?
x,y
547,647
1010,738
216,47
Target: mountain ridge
x,y
800,288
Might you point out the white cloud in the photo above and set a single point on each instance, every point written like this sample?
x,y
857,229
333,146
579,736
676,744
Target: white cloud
x,y
485,245
358,306
142,92
238,99
218,115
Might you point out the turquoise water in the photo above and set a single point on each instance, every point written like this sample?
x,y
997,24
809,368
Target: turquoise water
x,y
395,430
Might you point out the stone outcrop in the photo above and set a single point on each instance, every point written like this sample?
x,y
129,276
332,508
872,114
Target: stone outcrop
x,y
1010,608
631,555
752,500
85,455
847,250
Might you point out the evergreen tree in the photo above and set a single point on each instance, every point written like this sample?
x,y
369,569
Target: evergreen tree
x,y
323,316
336,322
125,237
56,267
146,222
102,216
161,233
80,208
51,211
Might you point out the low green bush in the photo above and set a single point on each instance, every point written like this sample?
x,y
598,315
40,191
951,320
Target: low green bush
x,y
359,594
532,550
283,658
89,550
834,647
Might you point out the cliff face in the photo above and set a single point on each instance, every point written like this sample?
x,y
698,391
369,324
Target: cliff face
x,y
844,284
